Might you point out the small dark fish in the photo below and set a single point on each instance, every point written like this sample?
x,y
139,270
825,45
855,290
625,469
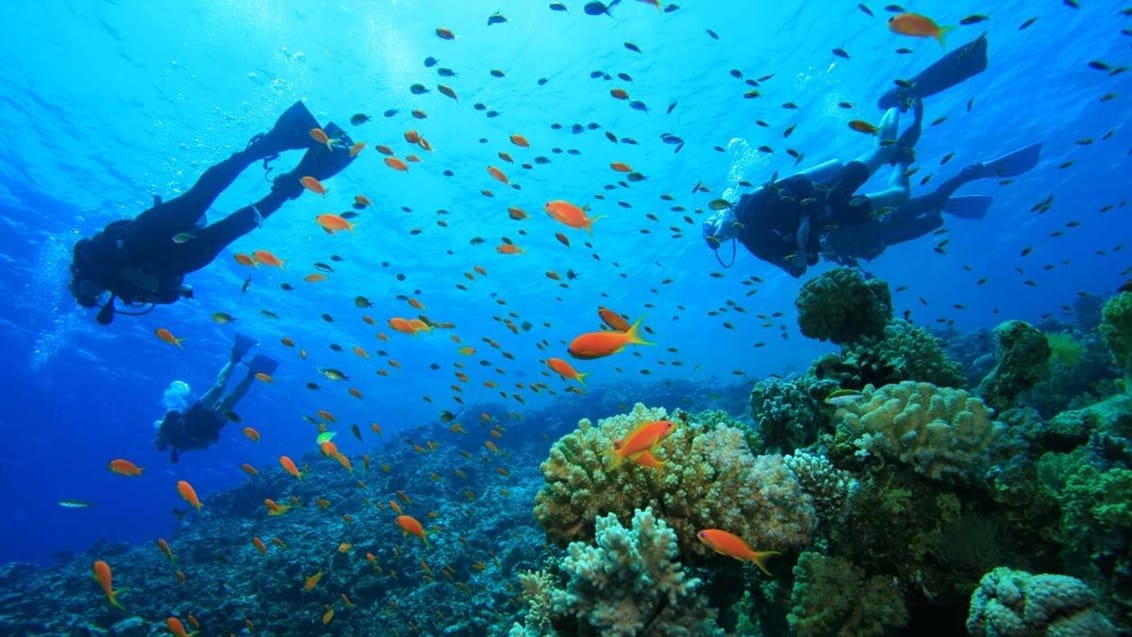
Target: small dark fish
x,y
496,73
902,83
325,267
946,158
625,76
970,104
542,81
430,62
973,19
841,53
247,284
790,106
313,386
496,18
1026,25
903,51
867,11
671,107
391,112
632,47
577,129
350,214
479,106
736,73
639,105
713,34
286,287
598,8
845,105
443,72
1099,65
446,91
557,6
789,130
418,89
359,118
670,8
894,8
326,317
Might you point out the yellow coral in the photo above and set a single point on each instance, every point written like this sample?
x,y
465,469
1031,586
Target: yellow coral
x,y
944,434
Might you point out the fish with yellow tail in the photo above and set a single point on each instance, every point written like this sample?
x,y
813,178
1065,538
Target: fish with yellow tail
x,y
732,545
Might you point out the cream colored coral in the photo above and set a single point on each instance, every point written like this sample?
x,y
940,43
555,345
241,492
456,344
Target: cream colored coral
x,y
944,434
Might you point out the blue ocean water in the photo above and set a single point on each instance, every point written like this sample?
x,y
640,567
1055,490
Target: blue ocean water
x,y
109,103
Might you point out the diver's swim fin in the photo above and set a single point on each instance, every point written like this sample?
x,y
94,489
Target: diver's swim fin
x,y
968,206
262,364
290,132
319,162
240,346
1015,163
967,61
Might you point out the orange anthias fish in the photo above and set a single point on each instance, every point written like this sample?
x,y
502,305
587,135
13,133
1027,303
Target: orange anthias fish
x,y
606,342
396,164
245,259
520,141
274,508
357,148
313,185
498,175
332,223
164,546
176,627
645,438
259,545
267,258
732,545
188,494
105,580
569,214
289,466
313,581
166,336
320,136
409,524
508,248
126,468
251,433
917,26
565,370
861,126
613,319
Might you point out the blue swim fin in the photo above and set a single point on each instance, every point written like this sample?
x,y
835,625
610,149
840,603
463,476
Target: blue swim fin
x,y
968,207
1015,163
260,363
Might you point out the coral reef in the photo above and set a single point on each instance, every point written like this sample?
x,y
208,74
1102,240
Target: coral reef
x,y
902,352
789,414
841,306
829,487
1010,603
628,584
711,480
1116,330
1022,356
833,597
943,434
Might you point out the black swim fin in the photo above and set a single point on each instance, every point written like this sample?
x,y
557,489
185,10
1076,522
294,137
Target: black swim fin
x,y
965,62
240,346
319,162
291,132
968,206
262,364
1015,163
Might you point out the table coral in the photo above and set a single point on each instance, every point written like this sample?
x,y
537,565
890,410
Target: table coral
x,y
1011,603
944,434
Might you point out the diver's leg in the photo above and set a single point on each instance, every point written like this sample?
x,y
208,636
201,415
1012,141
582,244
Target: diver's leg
x,y
898,191
823,173
212,396
229,402
208,243
907,229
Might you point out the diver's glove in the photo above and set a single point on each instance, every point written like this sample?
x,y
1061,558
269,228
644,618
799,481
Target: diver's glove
x,y
719,227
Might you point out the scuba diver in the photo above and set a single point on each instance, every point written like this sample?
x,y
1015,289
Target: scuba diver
x,y
198,427
143,262
791,222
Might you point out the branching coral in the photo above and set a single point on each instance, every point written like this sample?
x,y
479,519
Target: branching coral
x,y
944,434
1009,603
833,597
788,413
628,584
1116,329
829,486
842,306
711,480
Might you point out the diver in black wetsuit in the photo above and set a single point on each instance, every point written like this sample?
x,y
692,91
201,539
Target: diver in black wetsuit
x,y
198,427
142,262
794,221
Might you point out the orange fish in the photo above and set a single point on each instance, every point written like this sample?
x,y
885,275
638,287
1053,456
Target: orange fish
x,y
105,578
251,434
327,616
498,175
649,461
245,259
520,141
396,164
188,494
445,34
125,468
259,545
332,223
565,370
384,150
313,185
175,627
423,143
861,126
412,136
274,508
606,342
613,319
518,214
289,466
166,336
164,546
265,257
320,136
193,621
508,248
250,470
315,277
569,214
621,167
732,545
409,524
264,377
619,93
644,438
328,448
357,148
917,26
313,581
362,201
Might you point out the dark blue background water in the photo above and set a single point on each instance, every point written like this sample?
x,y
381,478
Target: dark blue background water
x,y
107,103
